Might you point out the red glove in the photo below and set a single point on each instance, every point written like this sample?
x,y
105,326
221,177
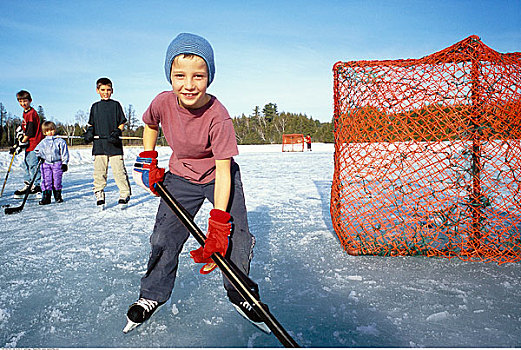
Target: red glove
x,y
146,173
219,228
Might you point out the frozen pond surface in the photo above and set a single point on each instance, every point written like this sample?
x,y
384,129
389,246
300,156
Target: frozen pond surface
x,y
70,272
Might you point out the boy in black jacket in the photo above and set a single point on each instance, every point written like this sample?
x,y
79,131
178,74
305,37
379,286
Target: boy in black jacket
x,y
106,122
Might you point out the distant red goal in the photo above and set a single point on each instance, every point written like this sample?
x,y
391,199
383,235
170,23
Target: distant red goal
x,y
292,143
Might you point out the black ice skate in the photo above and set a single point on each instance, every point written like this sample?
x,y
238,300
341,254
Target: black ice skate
x,y
100,199
246,310
21,192
123,202
139,312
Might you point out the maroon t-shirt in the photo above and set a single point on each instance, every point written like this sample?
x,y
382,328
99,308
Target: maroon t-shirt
x,y
197,137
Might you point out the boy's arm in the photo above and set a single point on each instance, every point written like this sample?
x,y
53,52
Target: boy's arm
x,y
150,137
223,180
30,131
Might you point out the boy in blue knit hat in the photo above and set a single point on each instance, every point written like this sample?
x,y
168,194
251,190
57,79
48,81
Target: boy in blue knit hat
x,y
200,133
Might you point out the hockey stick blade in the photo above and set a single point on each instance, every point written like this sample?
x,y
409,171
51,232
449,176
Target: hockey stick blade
x,y
228,268
18,209
14,210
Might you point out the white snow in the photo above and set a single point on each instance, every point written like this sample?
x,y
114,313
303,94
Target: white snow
x,y
69,272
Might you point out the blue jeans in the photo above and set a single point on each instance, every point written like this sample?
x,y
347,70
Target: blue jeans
x,y
170,234
31,168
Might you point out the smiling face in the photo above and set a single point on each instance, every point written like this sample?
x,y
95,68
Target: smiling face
x,y
105,91
189,76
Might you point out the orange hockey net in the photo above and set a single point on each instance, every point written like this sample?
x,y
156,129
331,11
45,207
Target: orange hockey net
x,y
428,155
292,143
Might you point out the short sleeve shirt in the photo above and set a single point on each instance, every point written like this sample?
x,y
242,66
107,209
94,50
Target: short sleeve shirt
x,y
197,137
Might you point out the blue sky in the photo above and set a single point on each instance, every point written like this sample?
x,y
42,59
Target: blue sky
x,y
265,51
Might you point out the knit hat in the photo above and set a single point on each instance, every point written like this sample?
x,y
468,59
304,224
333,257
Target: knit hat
x,y
186,43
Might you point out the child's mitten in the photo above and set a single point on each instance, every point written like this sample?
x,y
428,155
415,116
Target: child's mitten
x,y
146,173
219,228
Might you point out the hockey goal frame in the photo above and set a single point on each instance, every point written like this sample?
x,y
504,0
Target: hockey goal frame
x,y
293,143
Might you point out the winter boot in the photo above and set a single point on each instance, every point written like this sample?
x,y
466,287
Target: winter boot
x,y
139,312
46,198
21,192
57,196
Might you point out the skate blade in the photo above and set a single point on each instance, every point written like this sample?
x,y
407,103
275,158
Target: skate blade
x,y
101,207
123,206
130,326
35,196
260,325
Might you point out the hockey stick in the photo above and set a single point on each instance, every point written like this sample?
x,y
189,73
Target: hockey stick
x,y
20,208
237,278
100,137
7,175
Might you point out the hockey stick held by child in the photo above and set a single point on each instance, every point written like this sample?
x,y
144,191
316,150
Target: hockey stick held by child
x,y
213,246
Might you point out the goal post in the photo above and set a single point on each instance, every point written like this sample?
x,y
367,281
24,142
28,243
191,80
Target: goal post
x,y
428,155
292,143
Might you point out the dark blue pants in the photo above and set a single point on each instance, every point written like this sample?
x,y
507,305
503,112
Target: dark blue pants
x,y
169,234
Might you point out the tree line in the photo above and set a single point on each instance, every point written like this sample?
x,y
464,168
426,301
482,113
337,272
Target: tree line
x,y
260,127
268,126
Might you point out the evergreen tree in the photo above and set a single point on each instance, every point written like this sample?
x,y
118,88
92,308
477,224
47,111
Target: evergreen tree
x,y
270,111
41,114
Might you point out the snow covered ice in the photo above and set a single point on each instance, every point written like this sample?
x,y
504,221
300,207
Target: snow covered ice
x,y
69,272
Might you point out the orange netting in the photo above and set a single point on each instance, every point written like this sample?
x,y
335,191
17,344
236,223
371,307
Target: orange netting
x,y
292,143
428,155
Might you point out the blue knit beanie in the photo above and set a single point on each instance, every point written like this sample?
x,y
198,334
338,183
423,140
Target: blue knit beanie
x,y
186,43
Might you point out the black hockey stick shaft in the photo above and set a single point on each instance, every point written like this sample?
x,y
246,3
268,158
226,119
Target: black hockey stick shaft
x,y
7,175
21,207
237,278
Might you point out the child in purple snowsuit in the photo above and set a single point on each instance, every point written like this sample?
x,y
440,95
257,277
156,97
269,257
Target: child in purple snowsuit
x,y
54,152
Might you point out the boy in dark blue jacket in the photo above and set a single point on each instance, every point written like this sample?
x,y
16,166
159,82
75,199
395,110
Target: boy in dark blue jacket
x,y
106,122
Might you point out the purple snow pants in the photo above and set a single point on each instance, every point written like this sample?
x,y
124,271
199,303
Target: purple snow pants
x,y
51,176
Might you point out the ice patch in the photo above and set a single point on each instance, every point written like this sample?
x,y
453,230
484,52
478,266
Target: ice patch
x,y
4,315
352,296
14,340
368,330
175,310
214,321
438,316
251,339
355,278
